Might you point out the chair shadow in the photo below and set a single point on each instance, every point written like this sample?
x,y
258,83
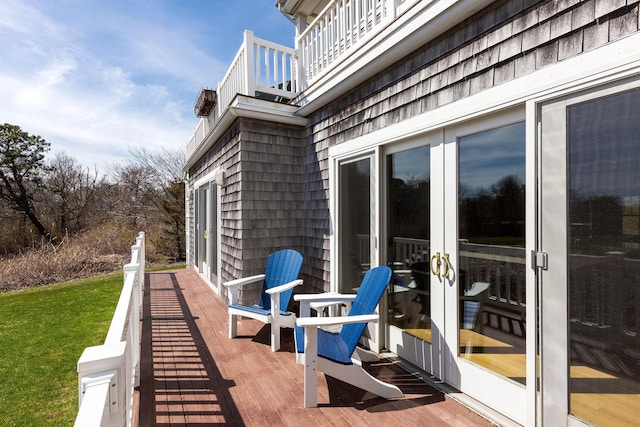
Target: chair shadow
x,y
180,383
416,391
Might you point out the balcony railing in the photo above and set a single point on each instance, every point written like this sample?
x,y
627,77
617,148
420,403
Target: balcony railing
x,y
270,71
339,29
108,373
260,69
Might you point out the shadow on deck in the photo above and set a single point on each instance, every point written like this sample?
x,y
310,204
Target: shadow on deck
x,y
192,374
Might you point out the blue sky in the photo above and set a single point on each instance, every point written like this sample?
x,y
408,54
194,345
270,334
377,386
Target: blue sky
x,y
96,78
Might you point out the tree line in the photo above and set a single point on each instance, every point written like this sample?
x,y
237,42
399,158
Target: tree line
x,y
47,199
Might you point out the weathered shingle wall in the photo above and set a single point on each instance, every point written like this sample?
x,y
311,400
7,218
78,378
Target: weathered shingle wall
x,y
223,154
512,38
270,214
509,39
262,206
277,192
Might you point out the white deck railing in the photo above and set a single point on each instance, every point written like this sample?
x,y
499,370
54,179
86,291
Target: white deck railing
x,y
260,68
108,373
340,28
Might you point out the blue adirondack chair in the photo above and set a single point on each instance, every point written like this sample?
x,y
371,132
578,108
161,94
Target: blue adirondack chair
x,y
278,281
333,352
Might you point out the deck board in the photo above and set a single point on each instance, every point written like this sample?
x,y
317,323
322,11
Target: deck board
x,y
193,374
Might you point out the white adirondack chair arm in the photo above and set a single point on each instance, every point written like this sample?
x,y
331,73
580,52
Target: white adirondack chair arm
x,y
234,285
325,297
320,301
285,287
243,281
340,320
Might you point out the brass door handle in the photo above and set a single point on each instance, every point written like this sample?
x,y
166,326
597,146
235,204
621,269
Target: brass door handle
x,y
447,267
436,258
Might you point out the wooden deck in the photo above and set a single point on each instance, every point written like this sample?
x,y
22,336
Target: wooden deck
x,y
192,374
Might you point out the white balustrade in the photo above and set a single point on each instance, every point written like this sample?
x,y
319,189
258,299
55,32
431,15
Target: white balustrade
x,y
279,73
261,69
342,27
108,373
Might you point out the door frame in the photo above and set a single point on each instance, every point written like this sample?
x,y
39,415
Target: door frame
x,y
213,181
466,376
374,337
554,340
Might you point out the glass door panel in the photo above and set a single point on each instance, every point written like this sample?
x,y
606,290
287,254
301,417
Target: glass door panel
x,y
357,247
212,225
409,216
203,228
604,259
482,261
594,275
355,197
491,254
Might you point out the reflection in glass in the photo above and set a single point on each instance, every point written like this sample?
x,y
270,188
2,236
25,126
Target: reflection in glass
x,y
409,221
604,259
355,223
491,273
203,202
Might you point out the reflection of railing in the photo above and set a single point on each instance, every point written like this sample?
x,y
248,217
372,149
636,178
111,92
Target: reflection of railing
x,y
604,295
363,250
603,317
408,250
501,266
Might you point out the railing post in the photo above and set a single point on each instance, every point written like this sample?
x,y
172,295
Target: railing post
x,y
249,63
141,263
98,366
134,322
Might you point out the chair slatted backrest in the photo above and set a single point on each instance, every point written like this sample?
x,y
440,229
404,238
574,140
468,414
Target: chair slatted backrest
x,y
282,267
372,288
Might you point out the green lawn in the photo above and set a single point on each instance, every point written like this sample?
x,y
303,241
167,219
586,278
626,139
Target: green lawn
x,y
43,332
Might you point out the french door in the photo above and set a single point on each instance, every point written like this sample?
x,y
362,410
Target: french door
x,y
456,242
589,241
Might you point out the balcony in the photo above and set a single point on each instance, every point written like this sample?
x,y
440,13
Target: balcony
x,y
338,48
260,69
341,28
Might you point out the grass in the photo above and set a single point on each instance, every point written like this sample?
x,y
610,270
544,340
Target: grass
x,y
43,332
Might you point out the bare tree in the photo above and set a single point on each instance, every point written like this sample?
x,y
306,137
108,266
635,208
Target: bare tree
x,y
72,189
164,165
164,168
134,197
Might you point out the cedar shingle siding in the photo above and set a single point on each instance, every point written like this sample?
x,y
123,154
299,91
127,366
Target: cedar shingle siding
x,y
277,191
